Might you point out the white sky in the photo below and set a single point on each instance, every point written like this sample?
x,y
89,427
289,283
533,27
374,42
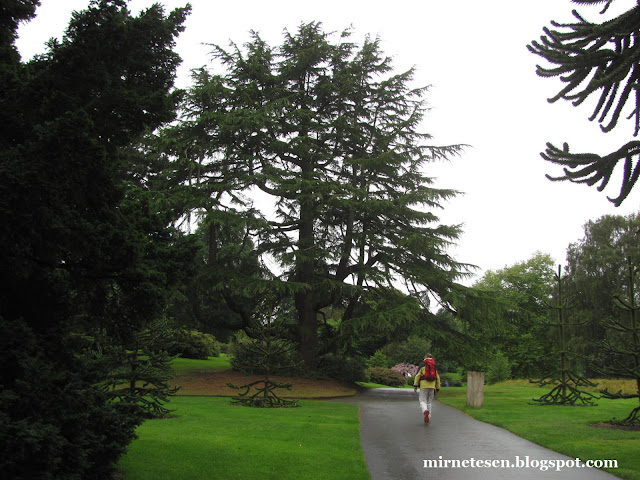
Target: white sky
x,y
484,93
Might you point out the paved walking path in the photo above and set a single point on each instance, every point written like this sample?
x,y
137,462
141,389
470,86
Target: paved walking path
x,y
396,443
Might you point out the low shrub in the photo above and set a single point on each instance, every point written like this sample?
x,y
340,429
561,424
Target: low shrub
x,y
224,348
453,379
626,386
385,376
192,344
499,369
339,368
378,359
408,371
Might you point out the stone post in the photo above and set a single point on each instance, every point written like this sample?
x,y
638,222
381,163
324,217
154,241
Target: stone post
x,y
475,389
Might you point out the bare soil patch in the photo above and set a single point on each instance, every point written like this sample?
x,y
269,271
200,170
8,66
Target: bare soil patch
x,y
211,383
631,428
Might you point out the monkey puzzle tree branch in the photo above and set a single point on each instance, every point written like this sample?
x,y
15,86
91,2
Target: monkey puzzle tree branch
x,y
591,168
603,59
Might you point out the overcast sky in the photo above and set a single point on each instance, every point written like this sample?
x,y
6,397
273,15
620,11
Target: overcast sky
x,y
484,93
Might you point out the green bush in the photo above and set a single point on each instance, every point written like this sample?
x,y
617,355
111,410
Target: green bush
x,y
192,344
223,347
379,359
340,368
499,369
385,376
453,379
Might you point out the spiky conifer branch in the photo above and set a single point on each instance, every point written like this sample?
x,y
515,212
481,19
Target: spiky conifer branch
x,y
589,58
591,168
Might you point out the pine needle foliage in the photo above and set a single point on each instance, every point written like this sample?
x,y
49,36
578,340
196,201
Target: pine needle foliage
x,y
596,59
330,136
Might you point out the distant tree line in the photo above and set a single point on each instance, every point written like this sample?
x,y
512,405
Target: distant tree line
x,y
508,313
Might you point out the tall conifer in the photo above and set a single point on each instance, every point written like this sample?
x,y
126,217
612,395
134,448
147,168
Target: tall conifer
x,y
81,247
330,136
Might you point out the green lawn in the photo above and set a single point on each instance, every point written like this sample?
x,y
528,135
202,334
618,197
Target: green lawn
x,y
566,430
379,385
209,438
183,366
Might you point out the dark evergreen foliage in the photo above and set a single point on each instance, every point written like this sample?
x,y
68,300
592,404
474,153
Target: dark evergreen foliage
x,y
590,58
54,421
138,372
83,245
345,369
230,279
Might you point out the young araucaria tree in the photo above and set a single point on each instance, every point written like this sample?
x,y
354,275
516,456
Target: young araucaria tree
x,y
566,390
626,352
268,345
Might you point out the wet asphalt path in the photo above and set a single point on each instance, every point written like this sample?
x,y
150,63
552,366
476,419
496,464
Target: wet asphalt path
x,y
396,442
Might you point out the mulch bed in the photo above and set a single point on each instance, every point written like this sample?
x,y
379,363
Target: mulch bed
x,y
211,383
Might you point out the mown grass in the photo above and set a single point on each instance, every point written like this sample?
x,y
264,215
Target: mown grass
x,y
567,430
183,366
209,438
379,385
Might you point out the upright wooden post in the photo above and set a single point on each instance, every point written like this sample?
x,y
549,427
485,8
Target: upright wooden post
x,y
475,389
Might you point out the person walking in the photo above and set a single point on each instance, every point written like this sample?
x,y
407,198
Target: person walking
x,y
428,381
